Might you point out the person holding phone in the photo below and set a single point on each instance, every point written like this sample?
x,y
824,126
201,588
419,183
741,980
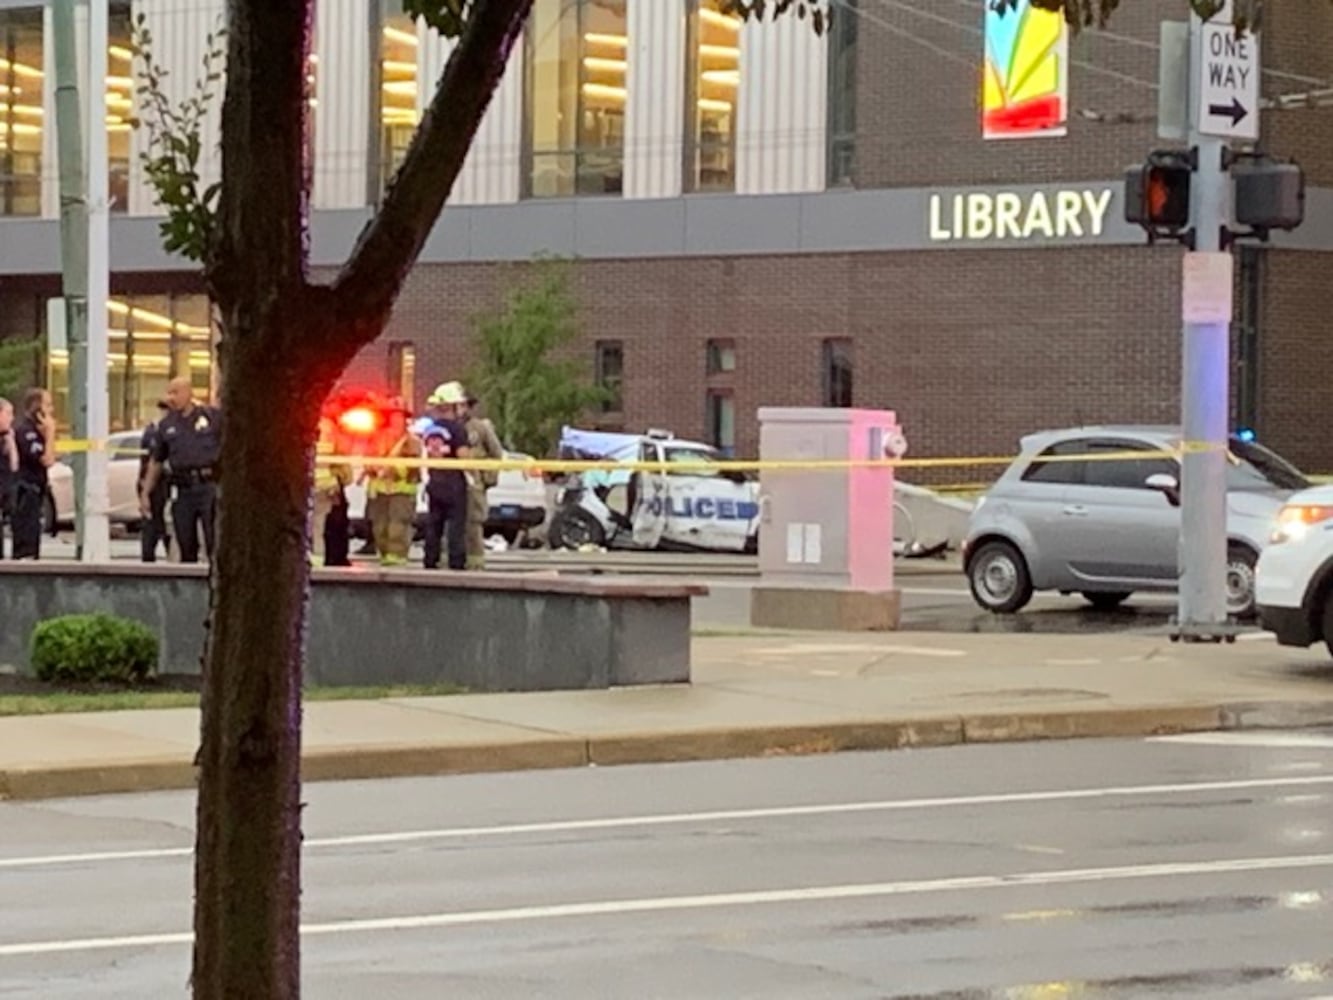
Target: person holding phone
x,y
35,438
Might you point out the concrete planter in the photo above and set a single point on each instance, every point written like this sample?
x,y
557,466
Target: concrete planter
x,y
483,631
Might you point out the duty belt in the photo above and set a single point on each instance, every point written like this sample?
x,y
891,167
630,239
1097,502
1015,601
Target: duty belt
x,y
193,477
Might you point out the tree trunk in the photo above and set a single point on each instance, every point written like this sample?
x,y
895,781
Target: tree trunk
x,y
247,875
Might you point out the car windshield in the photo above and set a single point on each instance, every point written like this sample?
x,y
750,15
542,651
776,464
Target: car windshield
x,y
695,457
1254,467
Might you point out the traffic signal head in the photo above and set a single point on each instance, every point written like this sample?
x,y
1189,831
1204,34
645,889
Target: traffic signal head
x,y
1157,195
1269,195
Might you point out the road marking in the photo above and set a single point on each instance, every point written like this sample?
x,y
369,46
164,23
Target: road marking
x,y
722,815
1281,741
765,897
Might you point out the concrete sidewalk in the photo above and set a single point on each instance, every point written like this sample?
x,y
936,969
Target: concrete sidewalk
x,y
754,693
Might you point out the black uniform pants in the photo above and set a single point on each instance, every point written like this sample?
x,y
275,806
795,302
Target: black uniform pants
x,y
447,517
155,527
26,521
338,533
195,506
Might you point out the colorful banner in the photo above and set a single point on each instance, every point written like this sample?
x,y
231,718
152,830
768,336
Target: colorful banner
x,y
1025,91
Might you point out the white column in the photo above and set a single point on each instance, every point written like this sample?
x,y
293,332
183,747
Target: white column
x,y
343,76
783,108
180,30
655,108
492,172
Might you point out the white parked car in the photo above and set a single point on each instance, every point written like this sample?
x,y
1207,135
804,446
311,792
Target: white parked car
x,y
1294,577
517,503
122,484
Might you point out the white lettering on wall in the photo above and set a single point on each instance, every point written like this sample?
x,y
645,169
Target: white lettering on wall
x,y
981,216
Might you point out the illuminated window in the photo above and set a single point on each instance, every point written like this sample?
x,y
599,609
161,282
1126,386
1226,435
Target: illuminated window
x,y
842,95
577,59
21,112
398,83
152,339
120,87
838,366
713,77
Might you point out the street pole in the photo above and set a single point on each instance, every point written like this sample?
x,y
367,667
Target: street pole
x,y
1206,308
95,539
73,235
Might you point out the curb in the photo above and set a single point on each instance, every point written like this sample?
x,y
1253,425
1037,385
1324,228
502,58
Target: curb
x,y
375,762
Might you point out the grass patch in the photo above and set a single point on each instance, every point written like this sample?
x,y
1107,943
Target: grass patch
x,y
65,702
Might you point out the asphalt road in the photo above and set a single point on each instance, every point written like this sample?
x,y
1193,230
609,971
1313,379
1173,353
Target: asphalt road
x,y
1189,867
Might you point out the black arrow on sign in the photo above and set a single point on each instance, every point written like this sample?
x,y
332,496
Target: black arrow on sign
x,y
1235,111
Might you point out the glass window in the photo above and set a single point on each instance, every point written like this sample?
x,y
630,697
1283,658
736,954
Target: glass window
x,y
722,421
610,374
713,77
21,111
398,86
838,365
721,357
842,94
152,339
577,65
120,88
1043,470
1126,473
1254,467
697,459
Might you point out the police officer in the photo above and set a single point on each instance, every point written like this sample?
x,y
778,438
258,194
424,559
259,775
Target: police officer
x,y
155,524
446,493
191,443
35,438
9,466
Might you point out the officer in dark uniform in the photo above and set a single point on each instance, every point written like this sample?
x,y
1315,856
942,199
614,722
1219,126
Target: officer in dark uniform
x,y
190,442
155,524
446,493
35,435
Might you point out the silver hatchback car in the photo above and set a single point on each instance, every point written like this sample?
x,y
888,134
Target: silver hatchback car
x,y
1110,527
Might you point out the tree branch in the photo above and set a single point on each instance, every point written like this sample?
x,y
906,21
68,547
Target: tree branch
x,y
392,240
263,147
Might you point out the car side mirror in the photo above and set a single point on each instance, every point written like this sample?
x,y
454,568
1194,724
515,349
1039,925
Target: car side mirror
x,y
1166,484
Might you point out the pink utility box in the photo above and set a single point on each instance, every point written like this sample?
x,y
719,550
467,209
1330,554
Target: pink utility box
x,y
826,534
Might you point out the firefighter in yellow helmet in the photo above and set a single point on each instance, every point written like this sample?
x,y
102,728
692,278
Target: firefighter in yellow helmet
x,y
455,402
391,491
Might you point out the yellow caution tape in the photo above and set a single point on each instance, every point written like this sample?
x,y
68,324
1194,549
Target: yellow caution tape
x,y
540,466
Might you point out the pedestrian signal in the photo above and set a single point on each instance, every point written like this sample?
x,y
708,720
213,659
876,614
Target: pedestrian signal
x,y
1157,195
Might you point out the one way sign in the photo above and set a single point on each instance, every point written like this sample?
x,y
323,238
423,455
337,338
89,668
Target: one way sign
x,y
1228,81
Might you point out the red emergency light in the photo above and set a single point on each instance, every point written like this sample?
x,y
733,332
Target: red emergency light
x,y
361,421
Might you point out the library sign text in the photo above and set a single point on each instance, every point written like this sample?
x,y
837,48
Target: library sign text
x,y
991,216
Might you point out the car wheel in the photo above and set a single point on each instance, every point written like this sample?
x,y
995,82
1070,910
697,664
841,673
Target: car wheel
x,y
575,528
999,578
1107,601
1240,582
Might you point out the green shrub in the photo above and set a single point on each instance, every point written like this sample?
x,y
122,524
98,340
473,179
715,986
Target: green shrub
x,y
94,649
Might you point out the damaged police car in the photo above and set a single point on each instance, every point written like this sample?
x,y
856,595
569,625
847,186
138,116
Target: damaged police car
x,y
696,509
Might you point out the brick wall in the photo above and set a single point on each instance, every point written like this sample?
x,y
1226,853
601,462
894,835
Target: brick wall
x,y
972,348
1296,370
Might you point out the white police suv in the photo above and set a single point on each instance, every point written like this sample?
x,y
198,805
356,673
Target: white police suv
x,y
1294,576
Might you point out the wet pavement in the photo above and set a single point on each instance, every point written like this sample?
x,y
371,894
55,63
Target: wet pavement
x,y
1176,867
